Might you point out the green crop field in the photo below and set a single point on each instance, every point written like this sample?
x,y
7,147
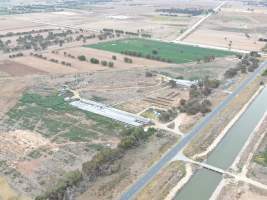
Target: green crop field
x,y
168,52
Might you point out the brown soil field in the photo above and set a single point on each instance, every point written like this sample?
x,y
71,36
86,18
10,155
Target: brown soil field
x,y
17,69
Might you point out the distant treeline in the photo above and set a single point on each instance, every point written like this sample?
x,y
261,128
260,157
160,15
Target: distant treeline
x,y
190,11
263,39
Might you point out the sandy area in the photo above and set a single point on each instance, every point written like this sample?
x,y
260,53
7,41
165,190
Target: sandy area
x,y
17,144
7,193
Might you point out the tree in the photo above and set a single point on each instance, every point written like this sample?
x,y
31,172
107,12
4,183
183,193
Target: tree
x,y
128,60
110,64
155,52
230,73
172,83
82,58
114,57
104,63
148,74
94,61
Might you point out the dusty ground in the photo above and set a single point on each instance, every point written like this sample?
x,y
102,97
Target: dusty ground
x,y
16,69
235,191
137,15
233,23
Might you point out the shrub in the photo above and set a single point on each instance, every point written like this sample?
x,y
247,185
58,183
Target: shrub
x,y
104,63
82,58
128,60
94,61
110,64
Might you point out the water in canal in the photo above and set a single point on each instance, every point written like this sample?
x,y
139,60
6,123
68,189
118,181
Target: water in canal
x,y
204,182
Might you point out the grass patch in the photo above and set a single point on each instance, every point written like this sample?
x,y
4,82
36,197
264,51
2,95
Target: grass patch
x,y
176,53
76,134
261,158
151,114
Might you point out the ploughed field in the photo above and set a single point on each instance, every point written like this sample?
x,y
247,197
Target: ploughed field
x,y
156,50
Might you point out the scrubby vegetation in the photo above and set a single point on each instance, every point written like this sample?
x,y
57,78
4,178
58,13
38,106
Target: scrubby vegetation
x,y
128,60
169,115
103,163
261,158
198,101
248,63
57,192
264,73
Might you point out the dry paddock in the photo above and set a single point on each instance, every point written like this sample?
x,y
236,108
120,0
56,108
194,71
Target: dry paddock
x,y
17,69
82,66
233,23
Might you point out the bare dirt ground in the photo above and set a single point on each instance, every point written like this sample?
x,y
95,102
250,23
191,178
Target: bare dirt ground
x,y
44,65
16,69
240,191
128,16
11,23
233,23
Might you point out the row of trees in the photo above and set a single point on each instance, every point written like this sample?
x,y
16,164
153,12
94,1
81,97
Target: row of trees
x,y
11,34
190,11
148,56
16,55
51,60
36,41
129,33
96,61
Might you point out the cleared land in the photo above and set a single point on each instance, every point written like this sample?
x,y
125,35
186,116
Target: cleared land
x,y
175,53
17,69
237,25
